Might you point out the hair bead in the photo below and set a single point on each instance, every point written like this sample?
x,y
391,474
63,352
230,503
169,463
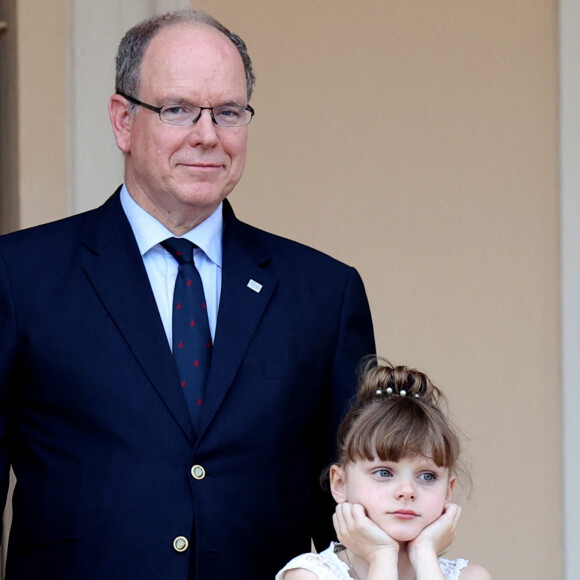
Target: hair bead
x,y
389,392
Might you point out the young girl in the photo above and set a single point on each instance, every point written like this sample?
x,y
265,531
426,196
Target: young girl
x,y
396,470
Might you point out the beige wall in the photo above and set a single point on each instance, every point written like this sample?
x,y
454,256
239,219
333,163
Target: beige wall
x,y
417,141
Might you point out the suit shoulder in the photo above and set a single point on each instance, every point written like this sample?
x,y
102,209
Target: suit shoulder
x,y
53,236
290,250
46,245
45,229
105,214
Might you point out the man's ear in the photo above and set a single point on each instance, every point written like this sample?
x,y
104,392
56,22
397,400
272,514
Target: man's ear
x,y
337,478
121,121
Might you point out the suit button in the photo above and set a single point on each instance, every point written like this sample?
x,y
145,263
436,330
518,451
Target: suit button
x,y
180,544
198,472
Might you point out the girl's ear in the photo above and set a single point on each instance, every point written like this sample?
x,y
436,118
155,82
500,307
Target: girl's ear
x,y
450,487
337,478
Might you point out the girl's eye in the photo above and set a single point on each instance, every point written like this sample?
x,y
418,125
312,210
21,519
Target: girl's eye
x,y
429,476
383,472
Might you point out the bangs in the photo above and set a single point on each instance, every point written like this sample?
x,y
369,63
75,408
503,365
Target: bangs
x,y
407,428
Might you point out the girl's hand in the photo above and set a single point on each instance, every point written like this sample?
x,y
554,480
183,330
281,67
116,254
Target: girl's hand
x,y
439,535
356,531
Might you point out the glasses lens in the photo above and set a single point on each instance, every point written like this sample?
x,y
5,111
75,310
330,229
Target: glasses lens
x,y
225,115
179,114
231,116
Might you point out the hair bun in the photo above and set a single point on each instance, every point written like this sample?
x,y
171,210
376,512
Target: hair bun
x,y
382,379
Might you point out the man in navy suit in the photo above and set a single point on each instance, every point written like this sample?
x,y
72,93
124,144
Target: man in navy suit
x,y
113,479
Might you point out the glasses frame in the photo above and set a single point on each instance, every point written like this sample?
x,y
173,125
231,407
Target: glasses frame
x,y
158,110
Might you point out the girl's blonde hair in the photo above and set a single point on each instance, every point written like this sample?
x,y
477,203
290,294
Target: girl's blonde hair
x,y
398,413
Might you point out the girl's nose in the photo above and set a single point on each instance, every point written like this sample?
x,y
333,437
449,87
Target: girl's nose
x,y
406,490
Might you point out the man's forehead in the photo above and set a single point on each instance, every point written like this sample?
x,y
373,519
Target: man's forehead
x,y
193,57
187,34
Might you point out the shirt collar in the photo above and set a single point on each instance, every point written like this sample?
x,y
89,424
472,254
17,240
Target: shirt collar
x,y
149,231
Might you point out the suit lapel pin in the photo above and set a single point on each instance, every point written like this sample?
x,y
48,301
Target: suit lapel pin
x,y
255,286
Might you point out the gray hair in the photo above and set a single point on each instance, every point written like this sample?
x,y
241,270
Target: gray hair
x,y
137,39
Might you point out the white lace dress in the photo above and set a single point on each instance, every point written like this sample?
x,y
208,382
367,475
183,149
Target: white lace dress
x,y
328,566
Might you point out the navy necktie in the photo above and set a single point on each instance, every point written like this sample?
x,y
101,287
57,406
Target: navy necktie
x,y
190,327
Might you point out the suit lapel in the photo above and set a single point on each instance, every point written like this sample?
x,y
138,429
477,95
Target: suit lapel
x,y
113,264
246,291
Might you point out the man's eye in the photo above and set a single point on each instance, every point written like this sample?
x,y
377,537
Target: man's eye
x,y
229,113
176,110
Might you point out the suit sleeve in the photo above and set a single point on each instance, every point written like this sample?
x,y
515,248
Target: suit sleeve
x,y
354,340
7,350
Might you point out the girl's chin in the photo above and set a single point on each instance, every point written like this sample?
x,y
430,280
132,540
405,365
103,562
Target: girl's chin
x,y
403,539
402,536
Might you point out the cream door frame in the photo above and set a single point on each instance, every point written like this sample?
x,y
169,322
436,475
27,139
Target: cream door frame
x,y
95,165
570,276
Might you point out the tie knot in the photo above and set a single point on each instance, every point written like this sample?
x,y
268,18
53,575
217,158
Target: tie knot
x,y
180,248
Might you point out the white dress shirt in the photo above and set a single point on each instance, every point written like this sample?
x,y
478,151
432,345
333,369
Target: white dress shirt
x,y
161,266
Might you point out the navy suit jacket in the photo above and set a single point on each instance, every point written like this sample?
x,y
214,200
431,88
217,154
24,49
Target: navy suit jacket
x,y
94,422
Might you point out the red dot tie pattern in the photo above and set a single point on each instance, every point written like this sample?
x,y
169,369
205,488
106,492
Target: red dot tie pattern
x,y
192,342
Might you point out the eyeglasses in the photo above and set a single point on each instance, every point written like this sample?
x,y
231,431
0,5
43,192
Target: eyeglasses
x,y
183,115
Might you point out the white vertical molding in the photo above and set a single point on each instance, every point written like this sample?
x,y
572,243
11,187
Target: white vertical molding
x,y
95,165
570,264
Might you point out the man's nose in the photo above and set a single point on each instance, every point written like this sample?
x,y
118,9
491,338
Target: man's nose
x,y
204,130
